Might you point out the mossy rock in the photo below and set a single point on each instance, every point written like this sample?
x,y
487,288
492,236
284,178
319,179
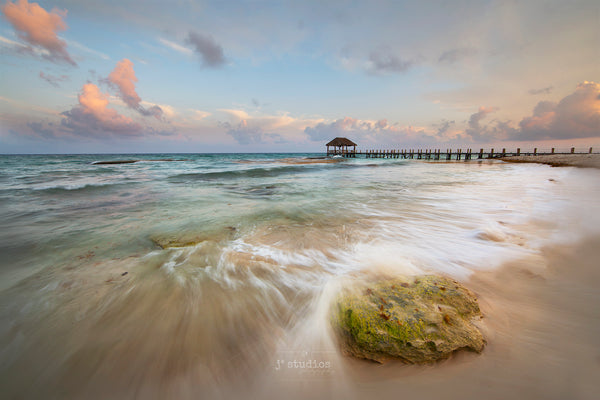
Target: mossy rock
x,y
187,239
418,320
166,242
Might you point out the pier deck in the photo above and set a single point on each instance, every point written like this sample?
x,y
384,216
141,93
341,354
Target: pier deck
x,y
449,154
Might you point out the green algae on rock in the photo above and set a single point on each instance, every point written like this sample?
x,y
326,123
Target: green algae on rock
x,y
187,239
166,242
418,320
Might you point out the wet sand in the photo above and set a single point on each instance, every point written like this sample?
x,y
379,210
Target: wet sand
x,y
559,160
542,323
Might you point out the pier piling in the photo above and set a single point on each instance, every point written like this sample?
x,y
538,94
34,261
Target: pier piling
x,y
458,154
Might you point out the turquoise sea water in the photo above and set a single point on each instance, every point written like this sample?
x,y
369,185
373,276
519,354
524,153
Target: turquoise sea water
x,y
190,272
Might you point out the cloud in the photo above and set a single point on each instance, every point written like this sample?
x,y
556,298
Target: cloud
x,y
263,129
92,117
345,126
243,133
575,116
39,129
454,55
479,132
384,62
546,90
53,80
123,78
247,133
444,127
210,52
177,47
474,128
39,28
199,115
323,131
382,134
19,47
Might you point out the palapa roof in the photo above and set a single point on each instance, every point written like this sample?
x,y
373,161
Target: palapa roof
x,y
341,141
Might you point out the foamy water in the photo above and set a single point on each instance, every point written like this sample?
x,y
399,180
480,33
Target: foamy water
x,y
253,249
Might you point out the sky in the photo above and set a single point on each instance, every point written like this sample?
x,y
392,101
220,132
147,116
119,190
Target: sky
x,y
130,76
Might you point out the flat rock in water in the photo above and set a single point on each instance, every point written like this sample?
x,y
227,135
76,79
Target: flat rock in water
x,y
186,239
111,162
166,242
418,320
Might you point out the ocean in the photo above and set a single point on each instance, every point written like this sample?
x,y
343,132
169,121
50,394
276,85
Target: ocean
x,y
191,275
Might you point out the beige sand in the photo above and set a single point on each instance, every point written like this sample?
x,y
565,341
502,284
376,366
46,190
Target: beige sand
x,y
542,321
560,160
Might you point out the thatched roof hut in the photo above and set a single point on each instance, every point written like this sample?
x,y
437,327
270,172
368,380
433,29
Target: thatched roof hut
x,y
340,142
341,146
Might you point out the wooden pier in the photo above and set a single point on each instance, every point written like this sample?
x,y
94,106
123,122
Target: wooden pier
x,y
449,154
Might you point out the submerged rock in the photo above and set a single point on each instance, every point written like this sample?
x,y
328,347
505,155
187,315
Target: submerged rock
x,y
187,239
418,320
165,242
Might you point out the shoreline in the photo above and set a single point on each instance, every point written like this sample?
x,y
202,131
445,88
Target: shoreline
x,y
559,160
541,326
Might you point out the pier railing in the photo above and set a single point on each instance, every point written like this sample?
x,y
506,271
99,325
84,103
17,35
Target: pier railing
x,y
456,154
342,152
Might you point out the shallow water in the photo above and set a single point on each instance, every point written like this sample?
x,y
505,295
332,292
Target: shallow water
x,y
213,274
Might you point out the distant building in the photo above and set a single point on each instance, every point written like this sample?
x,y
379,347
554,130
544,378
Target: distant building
x,y
341,146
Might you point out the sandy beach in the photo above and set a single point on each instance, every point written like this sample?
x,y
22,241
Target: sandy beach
x,y
559,160
541,322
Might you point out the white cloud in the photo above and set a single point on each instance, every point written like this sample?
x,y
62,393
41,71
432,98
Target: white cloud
x,y
248,128
175,46
199,115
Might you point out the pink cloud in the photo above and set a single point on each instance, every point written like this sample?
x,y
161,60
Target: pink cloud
x,y
575,116
542,118
123,78
93,117
39,28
